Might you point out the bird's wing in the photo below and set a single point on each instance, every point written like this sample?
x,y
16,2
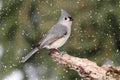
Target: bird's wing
x,y
56,32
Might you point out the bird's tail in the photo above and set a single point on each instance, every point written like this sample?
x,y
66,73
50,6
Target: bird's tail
x,y
24,59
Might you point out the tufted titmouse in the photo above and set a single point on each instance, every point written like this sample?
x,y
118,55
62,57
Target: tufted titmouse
x,y
56,36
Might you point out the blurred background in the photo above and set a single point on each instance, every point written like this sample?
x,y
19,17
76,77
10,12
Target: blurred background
x,y
95,35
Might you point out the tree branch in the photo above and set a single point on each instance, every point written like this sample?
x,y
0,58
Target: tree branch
x,y
86,68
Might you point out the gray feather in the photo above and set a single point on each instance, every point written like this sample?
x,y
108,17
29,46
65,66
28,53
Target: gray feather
x,y
57,31
29,55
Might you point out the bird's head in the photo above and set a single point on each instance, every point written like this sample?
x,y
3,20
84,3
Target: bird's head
x,y
65,18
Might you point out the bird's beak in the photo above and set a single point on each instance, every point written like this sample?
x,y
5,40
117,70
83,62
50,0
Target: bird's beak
x,y
71,19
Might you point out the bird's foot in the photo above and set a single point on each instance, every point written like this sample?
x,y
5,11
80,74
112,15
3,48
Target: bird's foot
x,y
53,50
57,50
61,53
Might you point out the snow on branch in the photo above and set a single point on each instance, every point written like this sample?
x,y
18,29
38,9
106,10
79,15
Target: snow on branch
x,y
86,68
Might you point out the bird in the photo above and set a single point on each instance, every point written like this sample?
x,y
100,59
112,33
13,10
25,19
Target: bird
x,y
56,36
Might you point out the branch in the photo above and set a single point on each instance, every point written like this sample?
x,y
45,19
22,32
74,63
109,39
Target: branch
x,y
86,68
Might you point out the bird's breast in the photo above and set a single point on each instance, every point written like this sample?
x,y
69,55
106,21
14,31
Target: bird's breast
x,y
57,43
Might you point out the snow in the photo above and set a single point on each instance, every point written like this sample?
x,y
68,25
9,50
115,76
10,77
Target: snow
x,y
33,72
117,50
1,51
14,75
1,4
108,62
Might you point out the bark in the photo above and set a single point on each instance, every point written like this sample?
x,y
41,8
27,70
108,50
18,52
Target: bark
x,y
86,68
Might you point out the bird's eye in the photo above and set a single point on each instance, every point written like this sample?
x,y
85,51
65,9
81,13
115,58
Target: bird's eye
x,y
65,18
